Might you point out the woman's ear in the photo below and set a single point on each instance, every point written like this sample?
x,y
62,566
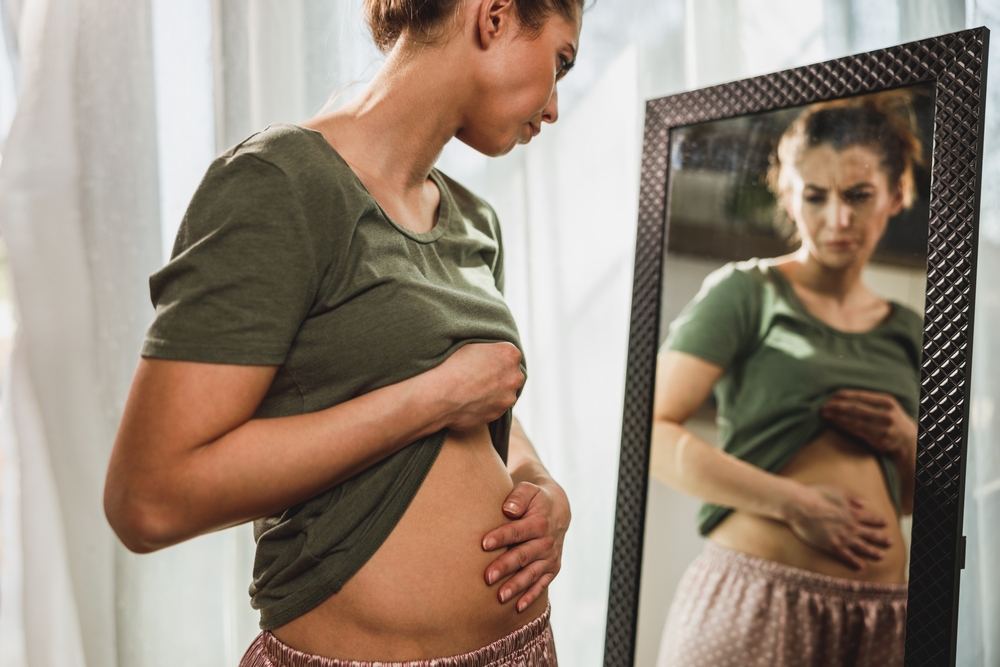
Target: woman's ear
x,y
786,201
897,201
495,18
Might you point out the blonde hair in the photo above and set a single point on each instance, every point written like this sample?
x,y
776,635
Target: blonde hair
x,y
884,122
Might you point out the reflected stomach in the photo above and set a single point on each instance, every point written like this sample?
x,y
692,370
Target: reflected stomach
x,y
832,459
423,594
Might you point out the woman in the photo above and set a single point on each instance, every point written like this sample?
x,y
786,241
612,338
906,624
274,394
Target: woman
x,y
817,385
332,358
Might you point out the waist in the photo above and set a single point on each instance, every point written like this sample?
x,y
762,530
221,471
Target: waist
x,y
721,559
533,644
831,459
423,593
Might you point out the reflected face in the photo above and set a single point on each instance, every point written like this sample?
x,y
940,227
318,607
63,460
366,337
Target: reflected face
x,y
841,202
519,90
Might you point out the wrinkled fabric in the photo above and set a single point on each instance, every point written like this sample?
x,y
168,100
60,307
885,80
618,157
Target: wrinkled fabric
x,y
733,609
530,646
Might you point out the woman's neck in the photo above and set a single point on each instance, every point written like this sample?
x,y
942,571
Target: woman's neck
x,y
840,285
395,130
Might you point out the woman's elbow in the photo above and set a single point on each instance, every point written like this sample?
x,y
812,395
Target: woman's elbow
x,y
663,448
142,526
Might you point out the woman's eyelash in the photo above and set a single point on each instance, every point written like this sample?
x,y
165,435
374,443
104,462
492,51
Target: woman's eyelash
x,y
565,66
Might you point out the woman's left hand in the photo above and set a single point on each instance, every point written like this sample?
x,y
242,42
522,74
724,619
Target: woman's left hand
x,y
540,516
876,418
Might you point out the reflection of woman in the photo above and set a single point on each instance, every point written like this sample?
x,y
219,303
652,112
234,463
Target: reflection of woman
x,y
817,382
332,357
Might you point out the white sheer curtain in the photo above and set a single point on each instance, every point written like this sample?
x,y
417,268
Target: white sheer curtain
x,y
122,104
78,215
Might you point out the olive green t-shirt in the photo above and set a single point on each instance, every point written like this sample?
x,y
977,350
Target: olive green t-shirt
x,y
781,364
284,258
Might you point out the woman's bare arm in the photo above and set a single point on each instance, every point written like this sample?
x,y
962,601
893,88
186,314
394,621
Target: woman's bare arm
x,y
682,460
826,518
189,459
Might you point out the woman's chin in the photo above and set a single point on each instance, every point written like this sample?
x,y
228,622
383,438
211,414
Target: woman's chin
x,y
494,148
838,261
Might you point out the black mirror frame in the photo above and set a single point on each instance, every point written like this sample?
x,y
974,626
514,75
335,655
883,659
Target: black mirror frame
x,y
957,64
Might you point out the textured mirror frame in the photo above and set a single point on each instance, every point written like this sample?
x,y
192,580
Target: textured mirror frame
x,y
957,64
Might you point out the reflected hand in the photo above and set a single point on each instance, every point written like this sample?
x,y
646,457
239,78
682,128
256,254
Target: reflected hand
x,y
837,523
876,418
540,516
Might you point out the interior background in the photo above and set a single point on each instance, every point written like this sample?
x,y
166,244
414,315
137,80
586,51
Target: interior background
x,y
110,111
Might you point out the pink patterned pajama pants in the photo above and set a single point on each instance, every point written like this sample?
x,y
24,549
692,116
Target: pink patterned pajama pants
x,y
530,646
736,610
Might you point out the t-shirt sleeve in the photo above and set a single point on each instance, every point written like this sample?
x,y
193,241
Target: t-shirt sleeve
x,y
498,275
243,274
719,324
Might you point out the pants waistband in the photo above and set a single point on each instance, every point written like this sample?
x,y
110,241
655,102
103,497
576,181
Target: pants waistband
x,y
529,646
718,557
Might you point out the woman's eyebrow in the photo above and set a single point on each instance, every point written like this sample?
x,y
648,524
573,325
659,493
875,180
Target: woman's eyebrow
x,y
864,185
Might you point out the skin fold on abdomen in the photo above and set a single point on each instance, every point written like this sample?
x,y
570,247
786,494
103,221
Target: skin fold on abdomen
x,y
836,460
424,594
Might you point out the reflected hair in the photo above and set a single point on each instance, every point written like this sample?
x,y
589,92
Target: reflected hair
x,y
883,122
427,20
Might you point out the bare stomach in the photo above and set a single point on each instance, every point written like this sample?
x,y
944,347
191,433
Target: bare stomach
x,y
831,459
424,594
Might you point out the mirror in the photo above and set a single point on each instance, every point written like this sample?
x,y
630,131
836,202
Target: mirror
x,y
797,379
731,316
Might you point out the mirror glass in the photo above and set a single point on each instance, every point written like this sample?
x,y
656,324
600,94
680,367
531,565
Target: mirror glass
x,y
787,384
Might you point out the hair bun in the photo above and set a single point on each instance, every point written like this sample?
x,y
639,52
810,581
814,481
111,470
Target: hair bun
x,y
423,19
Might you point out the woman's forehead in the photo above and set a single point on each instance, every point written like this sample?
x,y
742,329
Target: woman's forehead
x,y
824,166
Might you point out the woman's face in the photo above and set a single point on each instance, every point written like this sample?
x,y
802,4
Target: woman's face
x,y
841,202
517,91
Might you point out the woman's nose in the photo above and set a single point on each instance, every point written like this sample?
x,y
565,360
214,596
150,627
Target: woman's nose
x,y
550,113
838,214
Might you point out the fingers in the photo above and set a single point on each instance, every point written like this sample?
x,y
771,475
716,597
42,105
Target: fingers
x,y
873,425
875,537
848,412
519,558
871,519
846,556
859,508
522,581
516,532
535,591
866,550
873,398
519,499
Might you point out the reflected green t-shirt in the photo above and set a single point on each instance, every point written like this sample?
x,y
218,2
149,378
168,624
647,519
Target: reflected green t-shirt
x,y
781,364
284,258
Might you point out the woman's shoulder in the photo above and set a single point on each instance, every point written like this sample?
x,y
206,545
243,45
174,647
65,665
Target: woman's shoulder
x,y
292,149
746,276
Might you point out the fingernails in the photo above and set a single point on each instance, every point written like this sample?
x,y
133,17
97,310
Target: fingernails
x,y
489,544
505,593
492,577
510,507
522,605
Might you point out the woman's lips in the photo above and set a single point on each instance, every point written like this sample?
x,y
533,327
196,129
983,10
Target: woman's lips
x,y
841,245
534,130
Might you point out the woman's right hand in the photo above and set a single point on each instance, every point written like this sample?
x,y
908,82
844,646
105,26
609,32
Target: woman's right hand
x,y
838,523
477,384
